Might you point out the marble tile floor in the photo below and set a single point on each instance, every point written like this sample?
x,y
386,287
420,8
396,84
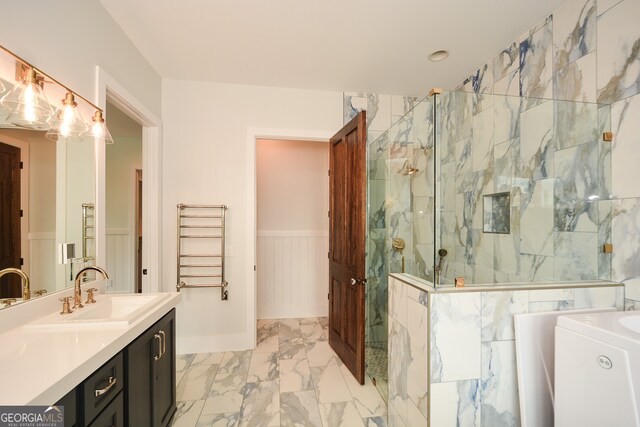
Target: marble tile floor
x,y
292,378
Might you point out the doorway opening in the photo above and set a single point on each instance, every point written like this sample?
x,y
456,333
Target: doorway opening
x,y
123,201
292,187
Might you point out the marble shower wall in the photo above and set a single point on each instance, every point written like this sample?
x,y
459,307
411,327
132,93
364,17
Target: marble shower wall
x,y
469,377
570,191
547,164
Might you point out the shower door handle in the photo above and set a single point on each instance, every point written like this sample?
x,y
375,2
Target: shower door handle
x,y
353,281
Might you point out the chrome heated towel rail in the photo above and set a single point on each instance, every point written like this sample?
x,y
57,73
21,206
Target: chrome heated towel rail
x,y
200,254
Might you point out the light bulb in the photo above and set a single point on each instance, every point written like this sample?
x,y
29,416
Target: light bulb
x,y
67,119
96,130
29,104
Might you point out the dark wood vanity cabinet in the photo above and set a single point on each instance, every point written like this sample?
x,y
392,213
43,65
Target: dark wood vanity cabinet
x,y
69,402
136,388
150,361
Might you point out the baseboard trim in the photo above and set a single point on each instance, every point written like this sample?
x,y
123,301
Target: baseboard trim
x,y
287,312
213,343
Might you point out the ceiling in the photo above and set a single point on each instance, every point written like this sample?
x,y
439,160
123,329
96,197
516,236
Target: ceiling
x,y
378,46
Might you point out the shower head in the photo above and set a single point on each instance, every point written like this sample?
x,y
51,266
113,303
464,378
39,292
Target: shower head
x,y
412,171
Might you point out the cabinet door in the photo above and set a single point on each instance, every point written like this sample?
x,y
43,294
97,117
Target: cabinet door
x,y
164,387
150,396
139,373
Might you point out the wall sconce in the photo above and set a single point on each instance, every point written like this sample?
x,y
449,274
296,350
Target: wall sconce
x,y
27,105
67,120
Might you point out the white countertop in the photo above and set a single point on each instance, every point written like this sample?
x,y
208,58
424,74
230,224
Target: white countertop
x,y
38,367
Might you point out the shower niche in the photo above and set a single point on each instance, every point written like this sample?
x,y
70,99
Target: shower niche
x,y
497,213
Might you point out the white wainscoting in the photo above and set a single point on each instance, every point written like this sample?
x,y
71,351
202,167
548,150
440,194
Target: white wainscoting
x,y
293,274
120,260
42,261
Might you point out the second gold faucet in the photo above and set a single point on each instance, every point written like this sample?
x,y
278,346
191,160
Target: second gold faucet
x,y
77,292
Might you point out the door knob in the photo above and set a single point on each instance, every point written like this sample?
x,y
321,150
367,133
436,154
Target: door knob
x,y
358,281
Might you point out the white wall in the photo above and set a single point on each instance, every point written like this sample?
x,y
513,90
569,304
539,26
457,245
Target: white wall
x,y
123,158
293,228
292,185
68,38
205,161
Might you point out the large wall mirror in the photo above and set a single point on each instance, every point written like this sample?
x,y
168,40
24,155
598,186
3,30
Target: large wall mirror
x,y
47,188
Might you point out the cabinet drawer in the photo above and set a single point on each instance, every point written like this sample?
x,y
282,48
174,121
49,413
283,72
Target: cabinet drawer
x,y
113,414
101,387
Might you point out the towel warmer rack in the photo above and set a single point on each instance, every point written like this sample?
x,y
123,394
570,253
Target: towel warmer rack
x,y
200,243
88,227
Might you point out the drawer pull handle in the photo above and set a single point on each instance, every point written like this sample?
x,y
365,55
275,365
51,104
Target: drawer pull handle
x,y
112,382
159,355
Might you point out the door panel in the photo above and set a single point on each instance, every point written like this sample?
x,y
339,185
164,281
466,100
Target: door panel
x,y
347,244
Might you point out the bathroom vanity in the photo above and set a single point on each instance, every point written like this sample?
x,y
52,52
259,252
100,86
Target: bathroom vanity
x,y
137,387
105,370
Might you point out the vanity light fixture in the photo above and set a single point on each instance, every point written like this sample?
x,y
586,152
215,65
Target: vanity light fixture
x,y
27,105
99,128
438,55
67,120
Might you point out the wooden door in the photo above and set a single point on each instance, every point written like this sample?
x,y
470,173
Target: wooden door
x,y
347,204
9,219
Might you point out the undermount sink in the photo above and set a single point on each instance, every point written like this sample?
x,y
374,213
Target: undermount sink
x,y
631,322
117,310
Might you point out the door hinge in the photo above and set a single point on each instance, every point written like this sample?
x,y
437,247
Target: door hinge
x,y
327,295
329,172
254,268
21,165
21,213
328,255
21,261
328,214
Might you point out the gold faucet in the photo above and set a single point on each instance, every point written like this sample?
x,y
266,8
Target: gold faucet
x,y
77,292
26,291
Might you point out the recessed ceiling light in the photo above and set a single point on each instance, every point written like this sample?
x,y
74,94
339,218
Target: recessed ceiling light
x,y
438,55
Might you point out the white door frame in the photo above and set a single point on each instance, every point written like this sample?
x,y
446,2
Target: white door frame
x,y
109,88
253,134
